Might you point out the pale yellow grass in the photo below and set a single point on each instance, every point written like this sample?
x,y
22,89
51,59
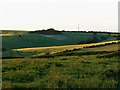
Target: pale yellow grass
x,y
6,34
113,47
55,49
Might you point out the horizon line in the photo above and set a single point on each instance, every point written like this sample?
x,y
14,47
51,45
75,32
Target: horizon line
x,y
58,30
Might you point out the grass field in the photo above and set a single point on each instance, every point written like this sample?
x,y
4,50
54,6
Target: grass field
x,y
93,65
82,69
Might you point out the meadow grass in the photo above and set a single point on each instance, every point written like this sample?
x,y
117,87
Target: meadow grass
x,y
72,71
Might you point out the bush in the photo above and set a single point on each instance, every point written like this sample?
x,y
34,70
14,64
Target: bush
x,y
76,49
58,64
60,83
47,55
109,55
111,74
64,59
41,71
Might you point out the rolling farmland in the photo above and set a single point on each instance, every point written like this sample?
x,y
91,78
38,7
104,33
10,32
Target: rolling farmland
x,y
64,64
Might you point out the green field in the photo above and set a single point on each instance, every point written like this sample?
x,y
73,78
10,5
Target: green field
x,y
26,64
23,39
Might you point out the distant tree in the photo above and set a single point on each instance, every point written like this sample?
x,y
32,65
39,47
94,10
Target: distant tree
x,y
63,31
51,29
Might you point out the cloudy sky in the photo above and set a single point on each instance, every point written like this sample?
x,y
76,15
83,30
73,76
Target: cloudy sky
x,y
59,14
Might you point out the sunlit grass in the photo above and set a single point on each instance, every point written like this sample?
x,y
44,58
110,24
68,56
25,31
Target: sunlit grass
x,y
75,71
7,34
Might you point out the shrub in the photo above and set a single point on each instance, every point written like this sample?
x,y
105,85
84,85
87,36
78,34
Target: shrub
x,y
111,74
58,64
60,83
40,71
109,55
47,55
76,49
63,59
48,65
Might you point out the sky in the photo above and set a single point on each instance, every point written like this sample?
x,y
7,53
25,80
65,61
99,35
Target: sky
x,y
95,15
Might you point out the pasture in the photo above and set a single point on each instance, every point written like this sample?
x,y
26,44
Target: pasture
x,y
60,61
70,69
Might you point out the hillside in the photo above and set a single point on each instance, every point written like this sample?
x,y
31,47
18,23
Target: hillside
x,y
39,51
25,39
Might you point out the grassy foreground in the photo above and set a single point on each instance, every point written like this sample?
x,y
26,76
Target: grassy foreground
x,y
95,67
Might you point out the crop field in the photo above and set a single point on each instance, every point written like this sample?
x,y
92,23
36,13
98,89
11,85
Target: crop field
x,y
70,65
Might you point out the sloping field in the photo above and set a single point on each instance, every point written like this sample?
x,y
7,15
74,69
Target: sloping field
x,y
24,39
65,47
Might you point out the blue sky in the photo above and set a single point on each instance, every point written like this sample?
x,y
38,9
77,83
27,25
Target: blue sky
x,y
99,15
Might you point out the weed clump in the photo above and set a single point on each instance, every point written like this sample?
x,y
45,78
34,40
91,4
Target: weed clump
x,y
58,64
47,55
63,59
111,74
109,55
